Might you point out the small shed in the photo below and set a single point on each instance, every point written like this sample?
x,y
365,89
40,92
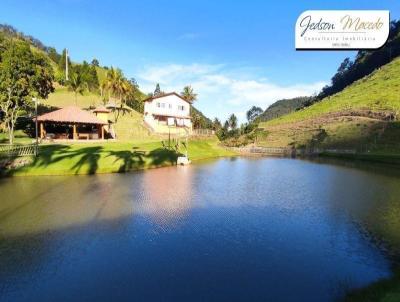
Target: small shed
x,y
71,123
102,113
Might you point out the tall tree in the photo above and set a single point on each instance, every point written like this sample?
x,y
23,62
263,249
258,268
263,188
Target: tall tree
x,y
226,126
188,94
23,75
53,54
157,91
216,124
77,84
232,120
253,113
89,75
95,62
119,87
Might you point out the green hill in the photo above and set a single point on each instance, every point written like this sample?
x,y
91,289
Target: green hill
x,y
363,116
283,107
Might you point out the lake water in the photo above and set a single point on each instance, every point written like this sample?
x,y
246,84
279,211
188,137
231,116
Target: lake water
x,y
226,230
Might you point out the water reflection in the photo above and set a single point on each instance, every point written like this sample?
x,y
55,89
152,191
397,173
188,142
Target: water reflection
x,y
62,202
248,229
35,205
167,194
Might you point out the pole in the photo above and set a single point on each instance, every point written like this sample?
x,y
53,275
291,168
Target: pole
x,y
36,128
186,146
66,64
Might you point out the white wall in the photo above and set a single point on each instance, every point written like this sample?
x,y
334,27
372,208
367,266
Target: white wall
x,y
169,105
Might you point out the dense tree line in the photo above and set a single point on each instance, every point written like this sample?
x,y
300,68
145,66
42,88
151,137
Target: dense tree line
x,y
283,107
24,75
199,120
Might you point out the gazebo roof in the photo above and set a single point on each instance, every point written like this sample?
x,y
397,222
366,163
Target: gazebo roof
x,y
101,109
113,105
70,114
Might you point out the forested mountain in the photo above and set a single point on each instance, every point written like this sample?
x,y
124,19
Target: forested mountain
x,y
283,107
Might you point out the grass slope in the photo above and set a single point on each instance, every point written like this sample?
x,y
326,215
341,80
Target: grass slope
x,y
63,97
378,91
112,157
355,118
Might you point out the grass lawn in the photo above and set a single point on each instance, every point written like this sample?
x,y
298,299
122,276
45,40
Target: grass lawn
x,y
20,137
136,148
110,157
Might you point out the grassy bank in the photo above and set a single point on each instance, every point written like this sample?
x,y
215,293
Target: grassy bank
x,y
384,158
111,157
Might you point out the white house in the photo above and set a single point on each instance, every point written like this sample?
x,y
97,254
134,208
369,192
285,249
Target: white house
x,y
168,113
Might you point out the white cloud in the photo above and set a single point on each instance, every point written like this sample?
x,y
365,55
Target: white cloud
x,y
222,91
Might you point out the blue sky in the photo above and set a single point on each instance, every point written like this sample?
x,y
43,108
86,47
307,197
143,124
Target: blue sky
x,y
235,54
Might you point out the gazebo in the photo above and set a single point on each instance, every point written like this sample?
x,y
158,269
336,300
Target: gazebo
x,y
58,124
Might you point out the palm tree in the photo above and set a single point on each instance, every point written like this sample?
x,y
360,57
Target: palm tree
x,y
188,94
77,84
232,121
117,85
104,90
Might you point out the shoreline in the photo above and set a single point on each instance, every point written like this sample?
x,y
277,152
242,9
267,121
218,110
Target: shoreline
x,y
123,157
197,160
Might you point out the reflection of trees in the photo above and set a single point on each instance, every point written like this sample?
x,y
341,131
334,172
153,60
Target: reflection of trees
x,y
168,193
35,205
370,194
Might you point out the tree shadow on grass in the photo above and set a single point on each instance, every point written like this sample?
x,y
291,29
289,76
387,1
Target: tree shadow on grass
x,y
162,156
69,159
129,159
50,155
88,156
136,159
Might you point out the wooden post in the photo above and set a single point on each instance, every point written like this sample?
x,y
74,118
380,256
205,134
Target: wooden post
x,y
102,132
41,130
75,134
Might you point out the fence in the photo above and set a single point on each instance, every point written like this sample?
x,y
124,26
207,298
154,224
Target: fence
x,y
264,150
17,150
203,132
290,151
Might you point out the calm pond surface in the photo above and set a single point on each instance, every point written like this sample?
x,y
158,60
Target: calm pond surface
x,y
226,230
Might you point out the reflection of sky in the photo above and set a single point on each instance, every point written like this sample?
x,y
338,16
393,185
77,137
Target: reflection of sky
x,y
167,193
286,230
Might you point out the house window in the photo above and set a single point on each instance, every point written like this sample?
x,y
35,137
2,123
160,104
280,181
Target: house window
x,y
162,105
158,104
170,106
182,108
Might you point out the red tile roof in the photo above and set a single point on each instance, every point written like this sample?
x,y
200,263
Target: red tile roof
x,y
102,109
71,114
